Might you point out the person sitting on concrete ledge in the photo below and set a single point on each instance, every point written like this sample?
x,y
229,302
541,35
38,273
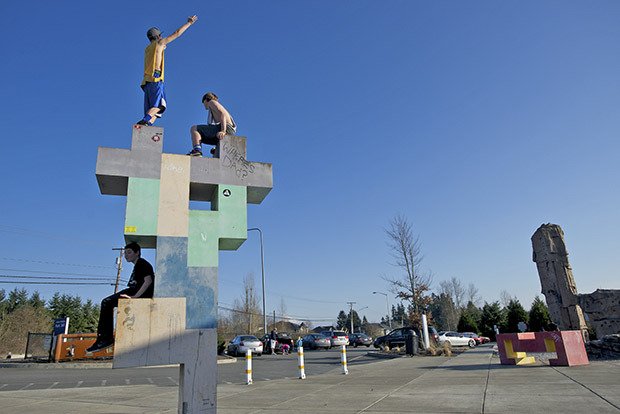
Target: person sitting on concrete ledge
x,y
219,124
140,285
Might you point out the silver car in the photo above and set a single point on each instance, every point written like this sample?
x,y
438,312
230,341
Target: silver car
x,y
241,343
337,338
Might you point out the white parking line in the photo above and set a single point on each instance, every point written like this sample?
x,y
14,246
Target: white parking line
x,y
79,384
173,381
3,385
149,380
53,385
26,386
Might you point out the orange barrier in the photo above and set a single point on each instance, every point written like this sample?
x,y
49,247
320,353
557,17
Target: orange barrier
x,y
71,347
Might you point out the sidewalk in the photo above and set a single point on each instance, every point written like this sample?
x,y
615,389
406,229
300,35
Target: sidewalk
x,y
473,382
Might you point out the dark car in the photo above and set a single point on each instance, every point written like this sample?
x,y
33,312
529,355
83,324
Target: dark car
x,y
357,339
396,338
316,341
282,338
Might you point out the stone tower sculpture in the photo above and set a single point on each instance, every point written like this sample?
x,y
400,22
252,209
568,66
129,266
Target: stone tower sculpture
x,y
556,278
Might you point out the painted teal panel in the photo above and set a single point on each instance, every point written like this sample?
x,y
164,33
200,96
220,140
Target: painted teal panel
x,y
231,202
203,238
142,207
197,284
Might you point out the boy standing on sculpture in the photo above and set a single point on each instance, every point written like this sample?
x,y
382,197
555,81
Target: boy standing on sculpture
x,y
153,80
219,124
140,285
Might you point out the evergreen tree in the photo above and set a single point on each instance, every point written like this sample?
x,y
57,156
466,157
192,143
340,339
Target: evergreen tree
x,y
467,323
341,321
356,321
491,315
36,301
17,298
82,317
539,316
515,314
474,312
444,312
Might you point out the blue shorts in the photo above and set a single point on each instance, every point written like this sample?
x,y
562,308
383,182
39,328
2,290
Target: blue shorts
x,y
154,97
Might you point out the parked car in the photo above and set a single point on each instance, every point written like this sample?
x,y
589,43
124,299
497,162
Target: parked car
x,y
282,338
396,338
316,341
485,339
456,339
360,339
241,343
473,336
433,334
337,338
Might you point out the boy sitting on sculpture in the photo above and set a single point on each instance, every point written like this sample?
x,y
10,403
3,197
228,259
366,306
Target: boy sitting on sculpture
x,y
219,124
140,285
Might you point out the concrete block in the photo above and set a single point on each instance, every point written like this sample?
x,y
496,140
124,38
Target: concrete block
x,y
147,139
174,196
148,331
231,168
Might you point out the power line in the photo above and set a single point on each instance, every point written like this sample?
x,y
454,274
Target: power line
x,y
54,263
57,278
55,283
52,273
27,232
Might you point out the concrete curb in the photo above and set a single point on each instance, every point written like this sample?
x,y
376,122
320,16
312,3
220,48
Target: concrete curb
x,y
90,364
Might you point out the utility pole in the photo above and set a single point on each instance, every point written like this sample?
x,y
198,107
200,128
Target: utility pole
x,y
274,319
351,315
119,267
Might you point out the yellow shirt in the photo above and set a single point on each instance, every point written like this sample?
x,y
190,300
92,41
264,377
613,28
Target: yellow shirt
x,y
151,64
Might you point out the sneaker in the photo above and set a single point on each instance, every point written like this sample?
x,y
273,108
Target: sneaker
x,y
142,122
212,151
195,153
100,344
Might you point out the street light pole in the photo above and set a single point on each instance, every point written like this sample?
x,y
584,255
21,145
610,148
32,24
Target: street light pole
x,y
387,306
262,271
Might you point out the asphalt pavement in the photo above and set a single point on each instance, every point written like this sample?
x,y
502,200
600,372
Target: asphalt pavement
x,y
472,382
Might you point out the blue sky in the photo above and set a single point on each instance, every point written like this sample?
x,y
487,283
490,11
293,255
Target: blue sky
x,y
477,120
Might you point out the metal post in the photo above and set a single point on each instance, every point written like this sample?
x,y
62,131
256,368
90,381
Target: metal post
x,y
425,331
262,270
343,360
351,315
387,306
119,267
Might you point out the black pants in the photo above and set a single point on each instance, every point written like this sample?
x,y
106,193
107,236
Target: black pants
x,y
105,330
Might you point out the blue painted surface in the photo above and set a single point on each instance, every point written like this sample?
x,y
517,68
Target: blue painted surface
x,y
197,284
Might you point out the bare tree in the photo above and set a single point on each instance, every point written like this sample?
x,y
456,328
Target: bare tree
x,y
282,308
413,284
473,295
247,311
505,298
454,288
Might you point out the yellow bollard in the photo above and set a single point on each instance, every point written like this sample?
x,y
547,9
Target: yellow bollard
x,y
248,367
343,360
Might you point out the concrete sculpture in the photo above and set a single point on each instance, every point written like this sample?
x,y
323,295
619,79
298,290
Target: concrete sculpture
x,y
178,326
566,306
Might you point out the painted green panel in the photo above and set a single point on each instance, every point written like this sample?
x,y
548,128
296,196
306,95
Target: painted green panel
x,y
231,202
142,207
202,248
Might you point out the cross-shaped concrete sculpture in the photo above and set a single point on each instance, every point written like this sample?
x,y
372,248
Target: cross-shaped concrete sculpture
x,y
178,325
